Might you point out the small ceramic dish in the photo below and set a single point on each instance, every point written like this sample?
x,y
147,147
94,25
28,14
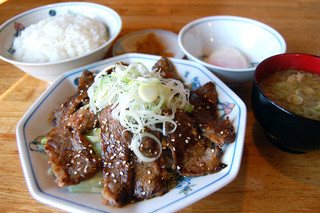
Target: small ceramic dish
x,y
48,71
254,40
128,43
288,131
189,190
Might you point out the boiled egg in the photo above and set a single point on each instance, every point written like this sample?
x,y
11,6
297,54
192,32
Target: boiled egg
x,y
227,57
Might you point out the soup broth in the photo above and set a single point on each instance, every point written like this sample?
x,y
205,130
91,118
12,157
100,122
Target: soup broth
x,y
294,90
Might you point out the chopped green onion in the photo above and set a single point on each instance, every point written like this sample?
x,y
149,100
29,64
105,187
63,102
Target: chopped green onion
x,y
138,97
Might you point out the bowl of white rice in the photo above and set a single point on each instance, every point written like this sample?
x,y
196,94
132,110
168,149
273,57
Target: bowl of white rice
x,y
50,40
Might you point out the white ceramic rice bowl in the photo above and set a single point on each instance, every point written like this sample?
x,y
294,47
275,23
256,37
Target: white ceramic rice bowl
x,y
49,71
256,40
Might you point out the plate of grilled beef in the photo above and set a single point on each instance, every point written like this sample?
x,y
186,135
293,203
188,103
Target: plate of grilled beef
x,y
132,133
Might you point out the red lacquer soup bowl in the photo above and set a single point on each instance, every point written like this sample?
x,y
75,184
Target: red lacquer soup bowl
x,y
288,131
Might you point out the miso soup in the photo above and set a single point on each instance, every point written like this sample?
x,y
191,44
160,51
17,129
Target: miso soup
x,y
294,90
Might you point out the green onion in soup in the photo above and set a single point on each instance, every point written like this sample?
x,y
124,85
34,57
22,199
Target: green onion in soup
x,y
294,90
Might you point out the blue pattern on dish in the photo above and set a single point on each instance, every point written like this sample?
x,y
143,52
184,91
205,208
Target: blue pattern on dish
x,y
76,72
52,12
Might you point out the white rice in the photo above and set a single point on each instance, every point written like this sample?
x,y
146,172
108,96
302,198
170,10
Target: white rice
x,y
58,38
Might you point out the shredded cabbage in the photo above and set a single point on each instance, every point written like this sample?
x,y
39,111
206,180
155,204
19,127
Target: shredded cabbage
x,y
138,98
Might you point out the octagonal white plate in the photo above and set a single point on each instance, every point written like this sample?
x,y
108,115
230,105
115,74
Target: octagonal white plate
x,y
36,122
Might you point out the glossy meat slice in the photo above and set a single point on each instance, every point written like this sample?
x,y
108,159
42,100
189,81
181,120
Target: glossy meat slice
x,y
149,177
205,100
82,119
117,169
74,102
193,155
70,154
166,67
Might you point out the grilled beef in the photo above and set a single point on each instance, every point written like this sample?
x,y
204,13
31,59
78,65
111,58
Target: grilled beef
x,y
166,67
193,155
117,170
74,102
150,177
205,100
70,154
193,146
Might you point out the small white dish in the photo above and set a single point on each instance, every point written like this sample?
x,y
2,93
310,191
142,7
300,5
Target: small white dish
x,y
255,40
49,71
36,123
127,43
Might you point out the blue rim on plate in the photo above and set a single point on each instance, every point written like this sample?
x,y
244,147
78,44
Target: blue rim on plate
x,y
35,122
